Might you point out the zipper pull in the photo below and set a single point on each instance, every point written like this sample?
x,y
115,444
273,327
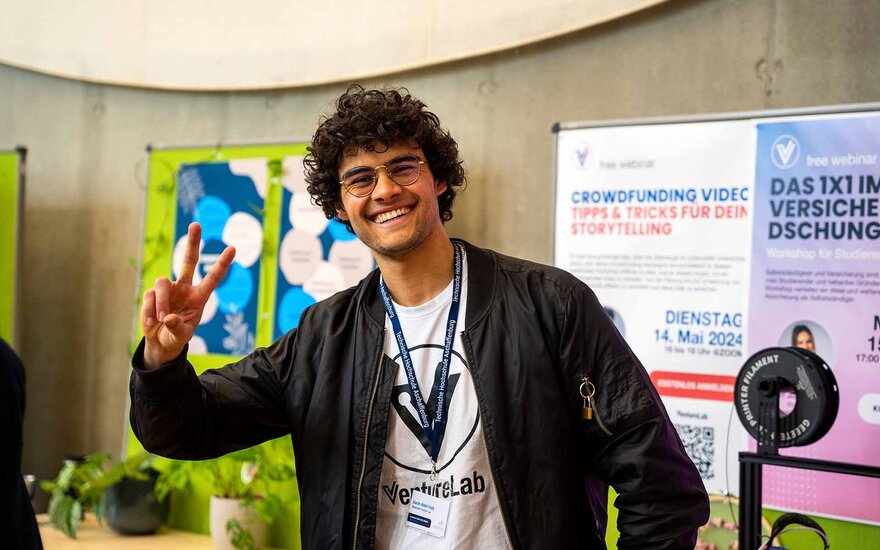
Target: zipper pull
x,y
588,391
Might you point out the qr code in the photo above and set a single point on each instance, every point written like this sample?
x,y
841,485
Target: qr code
x,y
699,442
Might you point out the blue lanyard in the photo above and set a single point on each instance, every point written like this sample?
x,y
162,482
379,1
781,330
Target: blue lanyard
x,y
434,432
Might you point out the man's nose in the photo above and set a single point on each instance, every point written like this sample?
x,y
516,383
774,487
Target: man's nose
x,y
386,187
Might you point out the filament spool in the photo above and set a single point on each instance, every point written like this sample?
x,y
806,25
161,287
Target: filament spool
x,y
795,382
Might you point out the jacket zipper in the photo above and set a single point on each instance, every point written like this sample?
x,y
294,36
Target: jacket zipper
x,y
357,513
488,458
495,490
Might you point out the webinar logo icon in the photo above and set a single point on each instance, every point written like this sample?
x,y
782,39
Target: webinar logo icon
x,y
581,156
785,151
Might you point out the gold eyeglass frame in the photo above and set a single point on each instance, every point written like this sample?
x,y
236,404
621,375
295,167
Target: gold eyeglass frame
x,y
375,171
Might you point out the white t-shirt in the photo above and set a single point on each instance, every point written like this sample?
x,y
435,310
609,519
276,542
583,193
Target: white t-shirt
x,y
463,466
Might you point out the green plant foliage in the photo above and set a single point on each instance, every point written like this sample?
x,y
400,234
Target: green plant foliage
x,y
137,466
240,537
80,486
74,492
65,513
174,475
252,476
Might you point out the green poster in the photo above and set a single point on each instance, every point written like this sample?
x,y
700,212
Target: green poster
x,y
11,195
288,257
178,183
162,208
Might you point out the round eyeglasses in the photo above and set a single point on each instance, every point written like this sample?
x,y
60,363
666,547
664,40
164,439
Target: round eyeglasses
x,y
360,181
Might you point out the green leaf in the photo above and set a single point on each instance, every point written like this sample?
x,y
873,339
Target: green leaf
x,y
240,537
76,514
48,486
268,508
98,509
65,476
65,514
280,472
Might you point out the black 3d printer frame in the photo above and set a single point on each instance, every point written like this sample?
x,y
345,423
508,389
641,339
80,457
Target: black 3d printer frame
x,y
751,467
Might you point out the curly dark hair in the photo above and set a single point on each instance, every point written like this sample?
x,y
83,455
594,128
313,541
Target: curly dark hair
x,y
374,120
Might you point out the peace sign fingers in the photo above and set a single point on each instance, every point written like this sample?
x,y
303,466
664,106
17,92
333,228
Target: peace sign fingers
x,y
217,272
172,310
191,253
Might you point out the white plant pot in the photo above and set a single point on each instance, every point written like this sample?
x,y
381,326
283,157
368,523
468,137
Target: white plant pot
x,y
231,523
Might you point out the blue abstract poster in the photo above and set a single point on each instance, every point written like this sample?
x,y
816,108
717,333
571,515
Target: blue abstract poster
x,y
227,199
317,257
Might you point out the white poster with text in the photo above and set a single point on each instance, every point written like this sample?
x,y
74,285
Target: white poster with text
x,y
657,219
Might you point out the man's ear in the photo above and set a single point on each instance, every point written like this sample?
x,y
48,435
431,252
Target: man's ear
x,y
342,214
441,187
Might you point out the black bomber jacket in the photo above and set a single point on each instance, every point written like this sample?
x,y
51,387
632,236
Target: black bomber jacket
x,y
532,334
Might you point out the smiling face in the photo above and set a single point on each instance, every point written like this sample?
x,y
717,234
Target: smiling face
x,y
804,340
392,220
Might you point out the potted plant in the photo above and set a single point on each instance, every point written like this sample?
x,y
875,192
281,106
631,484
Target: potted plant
x,y
121,493
130,504
246,489
246,495
71,493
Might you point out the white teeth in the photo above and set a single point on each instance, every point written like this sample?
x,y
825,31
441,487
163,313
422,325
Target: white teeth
x,y
386,216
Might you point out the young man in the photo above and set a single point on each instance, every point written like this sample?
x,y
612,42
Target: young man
x,y
455,398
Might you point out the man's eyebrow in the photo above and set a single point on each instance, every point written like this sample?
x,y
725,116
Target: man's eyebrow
x,y
356,170
402,158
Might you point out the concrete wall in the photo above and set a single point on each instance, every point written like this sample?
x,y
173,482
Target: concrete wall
x,y
86,159
231,46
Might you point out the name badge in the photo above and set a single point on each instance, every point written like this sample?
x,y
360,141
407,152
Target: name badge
x,y
428,514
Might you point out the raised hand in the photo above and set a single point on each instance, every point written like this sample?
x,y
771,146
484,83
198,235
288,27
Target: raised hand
x,y
172,310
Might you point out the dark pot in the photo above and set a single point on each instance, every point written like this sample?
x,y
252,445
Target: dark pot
x,y
131,508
